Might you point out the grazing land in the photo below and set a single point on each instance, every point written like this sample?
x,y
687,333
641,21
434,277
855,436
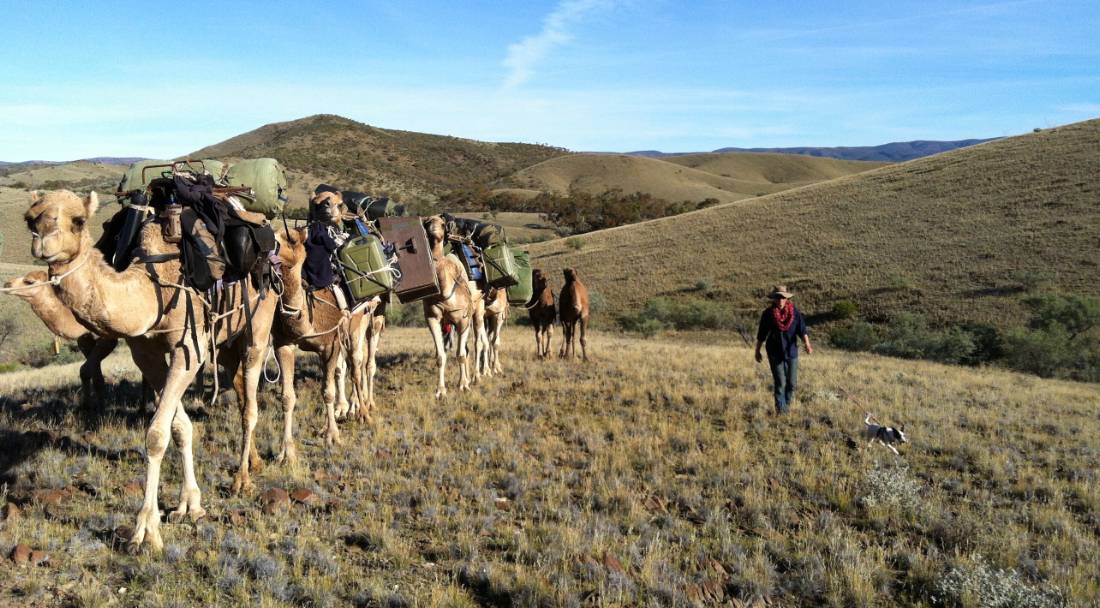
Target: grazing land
x,y
653,476
956,237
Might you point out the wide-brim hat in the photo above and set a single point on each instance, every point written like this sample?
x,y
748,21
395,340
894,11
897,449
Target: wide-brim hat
x,y
780,291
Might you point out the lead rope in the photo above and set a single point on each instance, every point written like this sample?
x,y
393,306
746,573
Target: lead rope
x,y
278,368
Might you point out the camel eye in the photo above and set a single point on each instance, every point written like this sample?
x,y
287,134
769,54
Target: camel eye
x,y
78,223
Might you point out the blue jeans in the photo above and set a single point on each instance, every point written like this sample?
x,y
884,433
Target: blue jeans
x,y
784,376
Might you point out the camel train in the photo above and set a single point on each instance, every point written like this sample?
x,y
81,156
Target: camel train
x,y
252,292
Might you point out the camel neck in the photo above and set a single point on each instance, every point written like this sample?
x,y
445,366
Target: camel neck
x,y
113,303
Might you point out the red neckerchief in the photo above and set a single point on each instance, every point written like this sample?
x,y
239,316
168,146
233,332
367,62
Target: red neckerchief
x,y
784,316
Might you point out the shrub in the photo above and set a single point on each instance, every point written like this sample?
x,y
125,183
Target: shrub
x,y
891,487
575,243
404,315
639,323
978,584
860,336
845,309
703,285
596,302
687,314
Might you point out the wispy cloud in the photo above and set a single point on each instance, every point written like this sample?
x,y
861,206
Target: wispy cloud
x,y
524,55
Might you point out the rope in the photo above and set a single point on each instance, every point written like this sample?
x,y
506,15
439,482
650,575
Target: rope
x,y
278,368
54,280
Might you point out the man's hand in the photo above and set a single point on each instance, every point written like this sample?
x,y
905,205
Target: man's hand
x,y
809,347
759,357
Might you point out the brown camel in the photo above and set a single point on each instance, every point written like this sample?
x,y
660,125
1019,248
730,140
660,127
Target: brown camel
x,y
573,310
315,323
151,314
542,312
459,304
35,289
496,313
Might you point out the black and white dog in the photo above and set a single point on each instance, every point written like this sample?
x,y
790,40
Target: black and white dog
x,y
888,436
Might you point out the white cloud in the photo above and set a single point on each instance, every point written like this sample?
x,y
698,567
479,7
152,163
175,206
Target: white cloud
x,y
524,55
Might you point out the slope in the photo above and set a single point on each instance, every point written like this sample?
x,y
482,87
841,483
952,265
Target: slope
x,y
401,163
693,177
950,236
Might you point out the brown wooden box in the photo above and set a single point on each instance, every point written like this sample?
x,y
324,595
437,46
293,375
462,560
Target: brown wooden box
x,y
414,258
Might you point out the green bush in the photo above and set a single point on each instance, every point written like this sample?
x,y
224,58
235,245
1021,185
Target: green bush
x,y
857,336
639,323
686,314
845,309
907,336
404,315
575,243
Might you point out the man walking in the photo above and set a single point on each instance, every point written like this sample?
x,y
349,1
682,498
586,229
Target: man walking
x,y
781,324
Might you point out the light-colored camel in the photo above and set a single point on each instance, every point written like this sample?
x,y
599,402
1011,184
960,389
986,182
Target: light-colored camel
x,y
152,316
315,323
34,288
459,303
496,313
542,312
573,311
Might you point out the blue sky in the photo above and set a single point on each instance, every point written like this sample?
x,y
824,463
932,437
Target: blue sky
x,y
82,79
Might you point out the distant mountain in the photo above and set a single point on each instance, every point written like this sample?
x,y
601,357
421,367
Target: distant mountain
x,y
114,160
894,152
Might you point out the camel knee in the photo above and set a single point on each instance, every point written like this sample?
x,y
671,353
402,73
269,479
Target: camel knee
x,y
156,443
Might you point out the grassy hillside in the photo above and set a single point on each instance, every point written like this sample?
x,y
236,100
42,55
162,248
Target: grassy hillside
x,y
693,177
402,163
958,236
78,175
653,476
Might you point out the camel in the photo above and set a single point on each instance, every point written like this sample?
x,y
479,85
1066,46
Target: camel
x,y
542,312
459,303
35,289
573,310
496,313
158,317
315,323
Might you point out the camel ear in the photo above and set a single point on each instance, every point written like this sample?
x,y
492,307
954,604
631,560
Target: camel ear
x,y
91,204
35,196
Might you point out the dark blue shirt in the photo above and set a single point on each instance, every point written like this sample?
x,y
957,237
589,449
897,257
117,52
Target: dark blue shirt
x,y
780,345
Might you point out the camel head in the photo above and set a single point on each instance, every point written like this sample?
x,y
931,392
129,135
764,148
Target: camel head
x,y
436,228
31,278
292,247
327,207
538,280
58,222
570,274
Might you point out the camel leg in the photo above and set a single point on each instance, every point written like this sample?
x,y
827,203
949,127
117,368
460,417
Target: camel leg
x,y
463,356
231,360
190,495
95,350
584,338
355,360
332,357
342,405
481,345
497,341
435,326
366,412
548,332
286,357
147,528
250,377
566,336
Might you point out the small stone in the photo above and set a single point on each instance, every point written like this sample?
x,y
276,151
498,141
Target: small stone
x,y
123,534
12,512
21,554
303,496
39,558
503,504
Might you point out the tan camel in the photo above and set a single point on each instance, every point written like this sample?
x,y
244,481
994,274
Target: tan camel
x,y
542,312
496,313
573,311
315,323
152,316
35,289
459,304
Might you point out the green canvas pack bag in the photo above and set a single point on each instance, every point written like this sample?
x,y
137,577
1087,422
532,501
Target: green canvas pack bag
x,y
500,265
364,267
267,178
522,292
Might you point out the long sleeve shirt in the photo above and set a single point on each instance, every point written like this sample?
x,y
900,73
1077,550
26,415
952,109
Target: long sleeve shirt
x,y
780,345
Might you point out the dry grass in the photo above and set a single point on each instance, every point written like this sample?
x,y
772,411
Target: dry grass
x,y
79,175
696,177
654,476
949,236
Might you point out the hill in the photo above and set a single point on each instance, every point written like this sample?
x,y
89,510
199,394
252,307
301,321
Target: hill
x,y
77,175
400,163
957,236
652,476
694,177
893,152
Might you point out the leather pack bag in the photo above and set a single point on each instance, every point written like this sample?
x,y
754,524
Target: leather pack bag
x,y
414,258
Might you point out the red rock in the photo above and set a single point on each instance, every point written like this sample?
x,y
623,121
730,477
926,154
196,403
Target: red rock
x,y
303,496
49,497
21,554
12,512
612,563
39,558
274,500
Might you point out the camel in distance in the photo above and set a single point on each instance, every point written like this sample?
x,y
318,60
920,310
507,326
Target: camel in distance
x,y
573,313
